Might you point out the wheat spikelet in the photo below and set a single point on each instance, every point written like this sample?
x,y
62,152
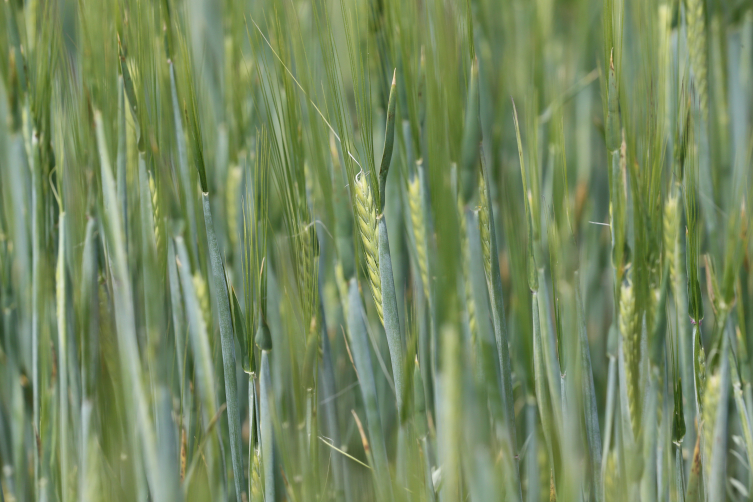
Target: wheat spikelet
x,y
483,222
256,480
231,209
419,229
671,226
708,416
200,285
367,225
631,344
465,250
309,269
155,211
654,294
697,51
700,369
183,450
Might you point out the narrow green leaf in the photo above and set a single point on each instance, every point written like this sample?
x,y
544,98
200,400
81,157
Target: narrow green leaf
x,y
224,315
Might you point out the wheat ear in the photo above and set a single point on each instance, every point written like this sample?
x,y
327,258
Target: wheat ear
x,y
367,225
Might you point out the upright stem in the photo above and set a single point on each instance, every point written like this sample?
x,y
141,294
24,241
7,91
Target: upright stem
x,y
62,358
251,429
267,434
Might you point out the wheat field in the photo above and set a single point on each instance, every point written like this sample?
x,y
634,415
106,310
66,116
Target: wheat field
x,y
356,250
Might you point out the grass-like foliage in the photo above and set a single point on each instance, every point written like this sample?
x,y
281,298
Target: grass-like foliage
x,y
345,250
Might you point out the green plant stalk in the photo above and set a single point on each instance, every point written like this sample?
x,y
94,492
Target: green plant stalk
x,y
609,420
742,411
198,456
87,482
267,431
249,368
14,142
617,189
490,374
543,398
424,350
613,126
648,480
183,170
89,357
422,430
311,483
693,491
36,286
679,474
307,441
686,347
483,475
167,446
471,137
716,488
486,360
450,404
204,372
152,297
62,322
589,396
252,430
89,294
17,480
532,461
228,345
431,495
121,182
500,328
629,440
176,307
197,329
549,352
359,346
329,406
124,316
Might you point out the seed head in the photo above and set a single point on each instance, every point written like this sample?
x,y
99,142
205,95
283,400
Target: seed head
x,y
367,225
419,229
631,346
